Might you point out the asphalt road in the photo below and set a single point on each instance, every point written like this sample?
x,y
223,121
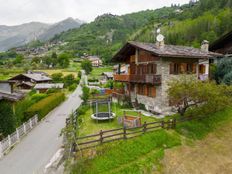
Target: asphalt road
x,y
35,150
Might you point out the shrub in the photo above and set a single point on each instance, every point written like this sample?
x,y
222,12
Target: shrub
x,y
87,66
82,110
53,90
205,97
7,118
93,80
57,77
79,74
37,97
86,94
44,106
72,87
69,80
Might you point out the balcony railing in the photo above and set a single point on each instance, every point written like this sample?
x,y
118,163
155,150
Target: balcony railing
x,y
145,78
122,77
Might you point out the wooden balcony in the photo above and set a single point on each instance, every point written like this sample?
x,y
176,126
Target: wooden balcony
x,y
122,77
144,78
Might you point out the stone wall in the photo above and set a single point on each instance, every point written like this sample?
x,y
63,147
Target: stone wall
x,y
5,87
160,103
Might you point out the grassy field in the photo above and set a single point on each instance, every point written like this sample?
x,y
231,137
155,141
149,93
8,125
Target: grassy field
x,y
90,126
97,71
8,73
139,155
207,142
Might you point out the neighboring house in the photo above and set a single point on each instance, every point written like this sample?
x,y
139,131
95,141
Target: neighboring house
x,y
150,66
43,87
7,92
95,60
28,80
223,45
108,75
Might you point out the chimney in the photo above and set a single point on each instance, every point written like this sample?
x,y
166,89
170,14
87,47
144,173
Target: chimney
x,y
159,39
205,46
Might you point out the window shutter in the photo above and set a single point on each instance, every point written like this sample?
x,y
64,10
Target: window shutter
x,y
153,92
172,68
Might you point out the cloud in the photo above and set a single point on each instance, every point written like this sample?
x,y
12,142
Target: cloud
x,y
14,12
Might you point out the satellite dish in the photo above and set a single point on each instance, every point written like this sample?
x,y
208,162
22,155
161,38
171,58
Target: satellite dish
x,y
160,38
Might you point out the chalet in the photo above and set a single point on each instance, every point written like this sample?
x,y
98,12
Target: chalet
x,y
95,60
28,80
108,75
223,45
150,66
43,87
7,92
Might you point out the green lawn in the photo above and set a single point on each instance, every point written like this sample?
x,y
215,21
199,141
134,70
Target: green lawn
x,y
6,73
90,126
97,71
144,153
134,156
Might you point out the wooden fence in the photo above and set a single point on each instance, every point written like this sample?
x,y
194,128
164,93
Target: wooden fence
x,y
15,137
94,140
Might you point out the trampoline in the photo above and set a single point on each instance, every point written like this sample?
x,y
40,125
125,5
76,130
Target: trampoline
x,y
102,110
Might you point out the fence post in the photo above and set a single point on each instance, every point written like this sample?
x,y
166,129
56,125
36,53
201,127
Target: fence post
x,y
30,123
162,124
24,128
36,119
145,127
101,136
174,123
124,133
9,140
1,150
17,133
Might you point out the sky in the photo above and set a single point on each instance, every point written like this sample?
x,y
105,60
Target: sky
x,y
14,12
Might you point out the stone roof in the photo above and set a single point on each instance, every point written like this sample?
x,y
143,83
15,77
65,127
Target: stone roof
x,y
108,74
15,96
38,77
49,86
165,51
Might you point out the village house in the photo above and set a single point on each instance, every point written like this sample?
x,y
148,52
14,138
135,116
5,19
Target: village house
x,y
150,66
95,60
44,87
29,79
223,45
8,93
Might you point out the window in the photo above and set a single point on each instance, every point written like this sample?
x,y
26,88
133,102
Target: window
x,y
182,68
151,91
152,68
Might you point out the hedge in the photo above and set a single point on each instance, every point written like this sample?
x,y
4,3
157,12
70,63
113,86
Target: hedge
x,y
44,106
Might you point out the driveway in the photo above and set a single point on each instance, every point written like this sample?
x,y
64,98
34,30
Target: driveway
x,y
35,150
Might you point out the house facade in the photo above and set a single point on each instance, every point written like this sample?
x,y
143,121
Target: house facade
x,y
223,45
151,66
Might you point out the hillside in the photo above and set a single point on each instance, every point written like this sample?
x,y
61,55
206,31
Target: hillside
x,y
14,36
106,33
186,25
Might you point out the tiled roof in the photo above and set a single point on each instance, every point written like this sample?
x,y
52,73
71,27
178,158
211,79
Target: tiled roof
x,y
166,51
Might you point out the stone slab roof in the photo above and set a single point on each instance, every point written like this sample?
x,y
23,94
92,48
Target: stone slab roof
x,y
49,86
15,96
165,51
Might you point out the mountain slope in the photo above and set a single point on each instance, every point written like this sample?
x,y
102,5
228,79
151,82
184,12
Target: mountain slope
x,y
13,36
107,33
